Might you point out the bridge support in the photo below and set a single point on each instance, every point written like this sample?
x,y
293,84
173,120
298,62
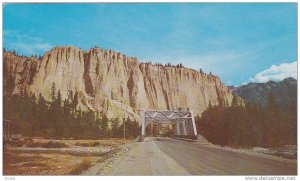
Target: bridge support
x,y
194,124
184,127
177,128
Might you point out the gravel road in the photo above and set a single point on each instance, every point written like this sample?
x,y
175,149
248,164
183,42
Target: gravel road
x,y
163,156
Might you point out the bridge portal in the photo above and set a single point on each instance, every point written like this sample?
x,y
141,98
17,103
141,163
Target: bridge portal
x,y
183,120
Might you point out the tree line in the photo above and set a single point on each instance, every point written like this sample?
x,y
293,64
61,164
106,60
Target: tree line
x,y
34,116
38,57
249,126
180,65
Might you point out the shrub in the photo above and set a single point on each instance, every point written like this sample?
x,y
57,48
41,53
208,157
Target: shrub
x,y
50,144
88,144
85,164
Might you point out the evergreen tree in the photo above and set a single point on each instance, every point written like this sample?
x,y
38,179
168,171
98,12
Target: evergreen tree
x,y
115,128
271,103
58,100
201,71
42,111
75,101
8,86
104,123
234,101
53,91
98,118
209,105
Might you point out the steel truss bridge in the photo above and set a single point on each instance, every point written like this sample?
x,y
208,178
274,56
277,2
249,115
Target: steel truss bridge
x,y
184,121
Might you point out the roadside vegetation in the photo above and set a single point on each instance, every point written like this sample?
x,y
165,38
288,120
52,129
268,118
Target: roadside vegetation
x,y
38,156
82,166
249,126
50,144
34,116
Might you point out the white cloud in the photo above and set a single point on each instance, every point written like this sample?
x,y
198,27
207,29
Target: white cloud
x,y
275,73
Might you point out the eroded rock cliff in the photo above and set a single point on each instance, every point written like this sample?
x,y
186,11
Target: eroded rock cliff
x,y
112,82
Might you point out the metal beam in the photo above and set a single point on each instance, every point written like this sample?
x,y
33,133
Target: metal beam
x,y
184,128
177,128
194,124
169,117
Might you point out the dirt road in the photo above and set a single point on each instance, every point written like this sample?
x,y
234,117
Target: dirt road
x,y
162,156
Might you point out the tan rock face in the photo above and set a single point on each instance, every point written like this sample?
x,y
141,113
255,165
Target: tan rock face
x,y
112,82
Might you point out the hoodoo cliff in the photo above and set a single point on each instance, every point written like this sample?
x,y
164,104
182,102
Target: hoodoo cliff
x,y
111,82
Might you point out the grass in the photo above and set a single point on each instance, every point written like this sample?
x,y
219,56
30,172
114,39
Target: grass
x,y
40,162
34,164
19,163
85,164
11,157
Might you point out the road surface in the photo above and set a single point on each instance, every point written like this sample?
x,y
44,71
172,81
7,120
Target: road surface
x,y
163,156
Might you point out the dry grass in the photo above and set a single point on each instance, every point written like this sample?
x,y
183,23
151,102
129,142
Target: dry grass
x,y
114,142
85,164
28,142
53,163
23,164
18,142
16,163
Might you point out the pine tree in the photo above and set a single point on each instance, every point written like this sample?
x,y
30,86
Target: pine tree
x,y
8,85
53,91
98,119
75,101
271,103
201,71
115,127
234,101
104,123
59,100
42,111
209,105
273,122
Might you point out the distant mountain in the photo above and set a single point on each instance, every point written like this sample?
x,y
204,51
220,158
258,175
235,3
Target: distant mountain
x,y
284,92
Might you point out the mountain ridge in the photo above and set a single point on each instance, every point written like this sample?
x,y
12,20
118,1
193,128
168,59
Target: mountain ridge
x,y
284,92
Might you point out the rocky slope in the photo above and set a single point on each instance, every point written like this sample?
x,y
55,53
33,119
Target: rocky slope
x,y
284,92
112,82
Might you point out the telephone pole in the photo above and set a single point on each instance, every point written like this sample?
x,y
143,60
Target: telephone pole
x,y
124,127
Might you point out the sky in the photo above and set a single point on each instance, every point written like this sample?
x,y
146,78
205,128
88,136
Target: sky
x,y
239,42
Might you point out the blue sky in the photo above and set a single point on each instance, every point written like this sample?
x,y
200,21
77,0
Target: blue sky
x,y
236,41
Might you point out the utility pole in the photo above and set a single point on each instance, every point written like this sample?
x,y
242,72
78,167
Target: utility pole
x,y
124,127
